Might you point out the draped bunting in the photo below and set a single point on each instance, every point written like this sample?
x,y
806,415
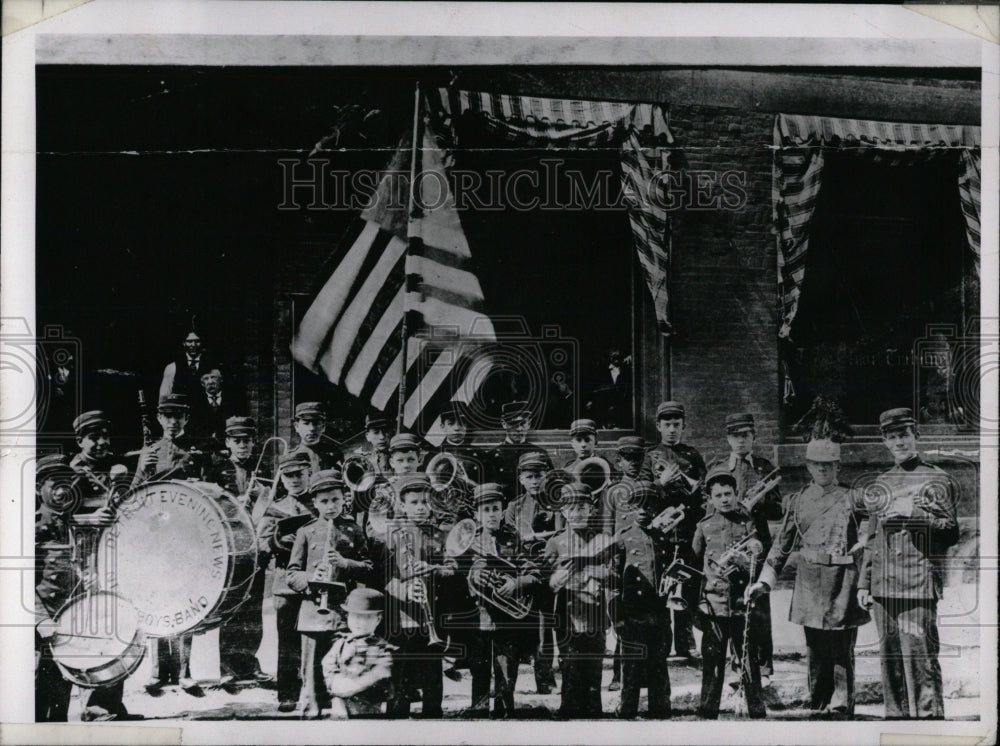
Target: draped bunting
x,y
799,143
639,130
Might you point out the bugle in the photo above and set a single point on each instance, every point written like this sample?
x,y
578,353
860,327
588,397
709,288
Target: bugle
x,y
759,491
672,582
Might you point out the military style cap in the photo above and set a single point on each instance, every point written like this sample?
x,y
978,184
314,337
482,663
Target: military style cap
x,y
294,460
822,450
719,473
174,403
327,479
309,409
412,483
404,442
631,444
364,601
737,422
576,492
92,420
583,427
670,409
895,419
376,422
53,466
513,411
532,460
487,492
453,411
236,426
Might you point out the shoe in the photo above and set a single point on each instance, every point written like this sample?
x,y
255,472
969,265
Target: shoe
x,y
287,705
453,673
96,715
614,686
544,689
153,685
188,684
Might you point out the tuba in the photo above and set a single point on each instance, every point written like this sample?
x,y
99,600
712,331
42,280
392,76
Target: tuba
x,y
584,470
461,539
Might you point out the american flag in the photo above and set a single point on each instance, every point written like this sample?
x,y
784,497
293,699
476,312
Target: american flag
x,y
417,267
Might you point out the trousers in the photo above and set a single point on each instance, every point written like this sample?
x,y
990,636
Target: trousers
x,y
909,645
240,636
581,656
830,655
717,632
314,696
415,666
644,651
286,613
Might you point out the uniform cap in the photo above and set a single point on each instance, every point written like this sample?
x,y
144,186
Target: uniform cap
x,y
583,427
737,422
453,411
294,460
576,492
309,409
174,403
241,426
376,422
53,466
412,483
895,419
364,601
92,420
487,492
404,442
533,460
822,450
719,473
327,479
513,411
670,409
631,444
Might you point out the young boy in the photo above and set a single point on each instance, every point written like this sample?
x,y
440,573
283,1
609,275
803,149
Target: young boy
x,y
515,419
907,540
533,522
310,425
640,615
583,440
579,582
416,564
726,577
502,640
329,558
358,667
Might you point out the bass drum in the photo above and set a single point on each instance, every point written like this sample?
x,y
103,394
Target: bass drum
x,y
183,552
97,641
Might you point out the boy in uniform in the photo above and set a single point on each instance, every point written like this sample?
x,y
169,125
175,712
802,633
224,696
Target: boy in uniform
x,y
294,469
822,523
579,580
331,550
726,576
679,470
583,440
907,540
310,425
358,667
640,615
173,456
416,565
515,419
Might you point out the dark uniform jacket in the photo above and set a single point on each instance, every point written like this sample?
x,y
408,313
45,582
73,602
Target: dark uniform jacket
x,y
505,543
823,524
406,543
95,482
503,459
526,516
324,455
903,556
715,534
56,576
346,661
678,493
641,558
581,602
167,459
269,540
309,552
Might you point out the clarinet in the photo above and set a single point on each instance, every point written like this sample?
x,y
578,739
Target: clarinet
x,y
146,421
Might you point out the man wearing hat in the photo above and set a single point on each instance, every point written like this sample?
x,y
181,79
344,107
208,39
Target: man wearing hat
x,y
679,469
310,426
173,456
822,524
912,526
516,422
750,470
498,568
579,578
640,615
726,575
277,536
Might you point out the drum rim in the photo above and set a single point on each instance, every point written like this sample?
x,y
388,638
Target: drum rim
x,y
134,650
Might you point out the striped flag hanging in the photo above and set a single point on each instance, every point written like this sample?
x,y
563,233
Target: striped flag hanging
x,y
395,267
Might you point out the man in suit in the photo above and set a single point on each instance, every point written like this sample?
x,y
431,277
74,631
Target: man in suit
x,y
214,404
183,374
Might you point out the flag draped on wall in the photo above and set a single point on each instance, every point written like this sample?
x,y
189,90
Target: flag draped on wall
x,y
400,268
639,130
799,145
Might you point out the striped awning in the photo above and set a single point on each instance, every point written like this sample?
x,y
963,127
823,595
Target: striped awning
x,y
802,129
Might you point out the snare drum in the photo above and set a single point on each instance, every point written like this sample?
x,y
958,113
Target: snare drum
x,y
183,552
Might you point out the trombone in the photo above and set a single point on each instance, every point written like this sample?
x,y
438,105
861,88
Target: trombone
x,y
260,507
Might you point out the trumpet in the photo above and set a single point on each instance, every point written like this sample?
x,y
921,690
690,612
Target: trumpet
x,y
672,582
669,519
757,493
744,551
406,559
461,539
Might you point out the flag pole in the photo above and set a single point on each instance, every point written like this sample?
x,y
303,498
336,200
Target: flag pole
x,y
411,216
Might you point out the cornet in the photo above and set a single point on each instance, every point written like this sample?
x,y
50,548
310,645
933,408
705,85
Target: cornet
x,y
669,519
406,559
746,550
672,582
757,493
322,581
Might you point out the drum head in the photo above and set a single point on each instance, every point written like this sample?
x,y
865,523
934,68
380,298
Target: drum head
x,y
94,630
168,553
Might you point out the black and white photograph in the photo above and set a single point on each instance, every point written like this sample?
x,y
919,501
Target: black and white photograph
x,y
547,386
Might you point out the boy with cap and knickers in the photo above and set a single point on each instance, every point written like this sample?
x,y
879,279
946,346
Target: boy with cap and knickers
x,y
912,525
